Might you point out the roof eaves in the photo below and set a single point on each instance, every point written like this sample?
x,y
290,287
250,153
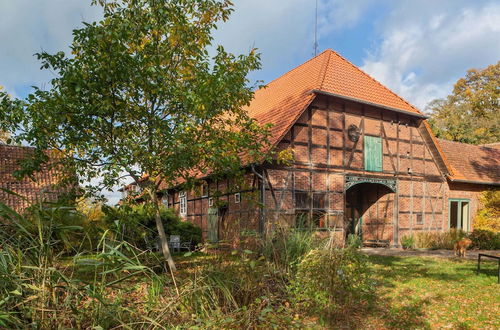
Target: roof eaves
x,y
406,112
489,183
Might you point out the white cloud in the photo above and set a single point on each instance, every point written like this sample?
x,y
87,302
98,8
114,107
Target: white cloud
x,y
426,46
30,26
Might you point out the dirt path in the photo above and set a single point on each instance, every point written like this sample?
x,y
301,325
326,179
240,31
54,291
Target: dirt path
x,y
472,254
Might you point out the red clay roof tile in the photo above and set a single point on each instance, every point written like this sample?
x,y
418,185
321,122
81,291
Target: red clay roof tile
x,y
472,163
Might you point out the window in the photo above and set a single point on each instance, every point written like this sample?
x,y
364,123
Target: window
x,y
165,200
458,214
319,200
210,202
302,200
419,220
237,198
204,189
183,203
373,153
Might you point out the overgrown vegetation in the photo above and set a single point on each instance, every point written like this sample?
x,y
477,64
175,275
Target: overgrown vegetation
x,y
481,239
50,278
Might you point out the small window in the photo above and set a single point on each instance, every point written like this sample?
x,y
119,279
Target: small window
x,y
183,203
204,189
164,200
419,220
302,200
319,200
210,202
373,153
237,198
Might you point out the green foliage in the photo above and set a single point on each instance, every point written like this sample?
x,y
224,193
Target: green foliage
x,y
408,242
485,239
36,288
354,241
286,247
470,114
137,90
140,94
332,283
437,239
488,216
136,225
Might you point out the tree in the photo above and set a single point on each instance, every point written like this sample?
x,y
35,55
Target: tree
x,y
141,95
471,113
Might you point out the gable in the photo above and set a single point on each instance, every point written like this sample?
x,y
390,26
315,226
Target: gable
x,y
284,99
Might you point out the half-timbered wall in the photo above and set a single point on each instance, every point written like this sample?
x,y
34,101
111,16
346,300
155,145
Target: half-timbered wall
x,y
314,186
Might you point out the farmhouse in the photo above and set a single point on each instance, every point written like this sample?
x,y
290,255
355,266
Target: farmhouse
x,y
44,185
365,162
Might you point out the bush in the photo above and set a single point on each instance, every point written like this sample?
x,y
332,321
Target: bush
x,y
136,224
286,247
438,240
485,240
408,242
332,283
354,241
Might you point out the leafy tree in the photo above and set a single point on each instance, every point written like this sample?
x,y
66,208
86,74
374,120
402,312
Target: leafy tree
x,y
141,94
471,114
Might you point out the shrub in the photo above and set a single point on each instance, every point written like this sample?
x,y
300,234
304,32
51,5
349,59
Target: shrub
x,y
332,283
488,217
354,241
136,225
485,240
408,242
286,247
438,240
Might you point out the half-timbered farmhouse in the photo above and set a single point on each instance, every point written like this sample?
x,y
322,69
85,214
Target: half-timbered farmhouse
x,y
365,162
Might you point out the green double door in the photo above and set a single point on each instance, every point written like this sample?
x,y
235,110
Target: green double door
x,y
213,225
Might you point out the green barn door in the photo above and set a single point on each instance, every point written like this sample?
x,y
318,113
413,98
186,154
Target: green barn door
x,y
373,153
213,225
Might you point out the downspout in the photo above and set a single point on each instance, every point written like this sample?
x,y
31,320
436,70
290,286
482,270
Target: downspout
x,y
262,199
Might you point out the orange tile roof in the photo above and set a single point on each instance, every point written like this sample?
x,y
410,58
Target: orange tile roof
x,y
284,99
471,163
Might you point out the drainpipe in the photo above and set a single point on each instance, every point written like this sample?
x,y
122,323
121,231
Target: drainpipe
x,y
262,198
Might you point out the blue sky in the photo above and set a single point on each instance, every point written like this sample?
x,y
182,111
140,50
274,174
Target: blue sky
x,y
418,48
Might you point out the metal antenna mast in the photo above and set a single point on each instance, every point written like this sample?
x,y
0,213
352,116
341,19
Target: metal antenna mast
x,y
316,31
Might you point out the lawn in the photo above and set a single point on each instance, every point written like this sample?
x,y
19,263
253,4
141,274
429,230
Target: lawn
x,y
425,292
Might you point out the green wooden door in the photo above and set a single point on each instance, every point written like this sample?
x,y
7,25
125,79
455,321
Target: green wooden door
x,y
213,225
373,153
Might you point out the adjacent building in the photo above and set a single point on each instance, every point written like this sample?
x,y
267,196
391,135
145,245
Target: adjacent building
x,y
44,185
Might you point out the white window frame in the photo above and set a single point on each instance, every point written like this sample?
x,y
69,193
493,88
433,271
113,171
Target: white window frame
x,y
210,202
237,198
182,203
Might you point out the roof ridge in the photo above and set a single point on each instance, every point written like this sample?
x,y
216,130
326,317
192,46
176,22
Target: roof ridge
x,y
468,144
299,66
375,80
324,69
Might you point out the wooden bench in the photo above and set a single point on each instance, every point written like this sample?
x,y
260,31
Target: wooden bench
x,y
376,243
488,256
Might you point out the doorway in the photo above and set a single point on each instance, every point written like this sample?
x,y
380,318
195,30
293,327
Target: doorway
x,y
368,210
213,225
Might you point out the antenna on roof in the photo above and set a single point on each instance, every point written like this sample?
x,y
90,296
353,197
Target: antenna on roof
x,y
316,31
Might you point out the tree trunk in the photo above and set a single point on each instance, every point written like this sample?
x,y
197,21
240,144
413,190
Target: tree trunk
x,y
161,232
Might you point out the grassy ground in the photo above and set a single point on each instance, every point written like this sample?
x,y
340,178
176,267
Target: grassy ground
x,y
424,292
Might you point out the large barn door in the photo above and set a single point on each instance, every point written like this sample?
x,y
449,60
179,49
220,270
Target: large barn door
x,y
213,225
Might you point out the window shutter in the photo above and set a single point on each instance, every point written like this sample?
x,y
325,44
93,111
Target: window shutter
x,y
373,153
